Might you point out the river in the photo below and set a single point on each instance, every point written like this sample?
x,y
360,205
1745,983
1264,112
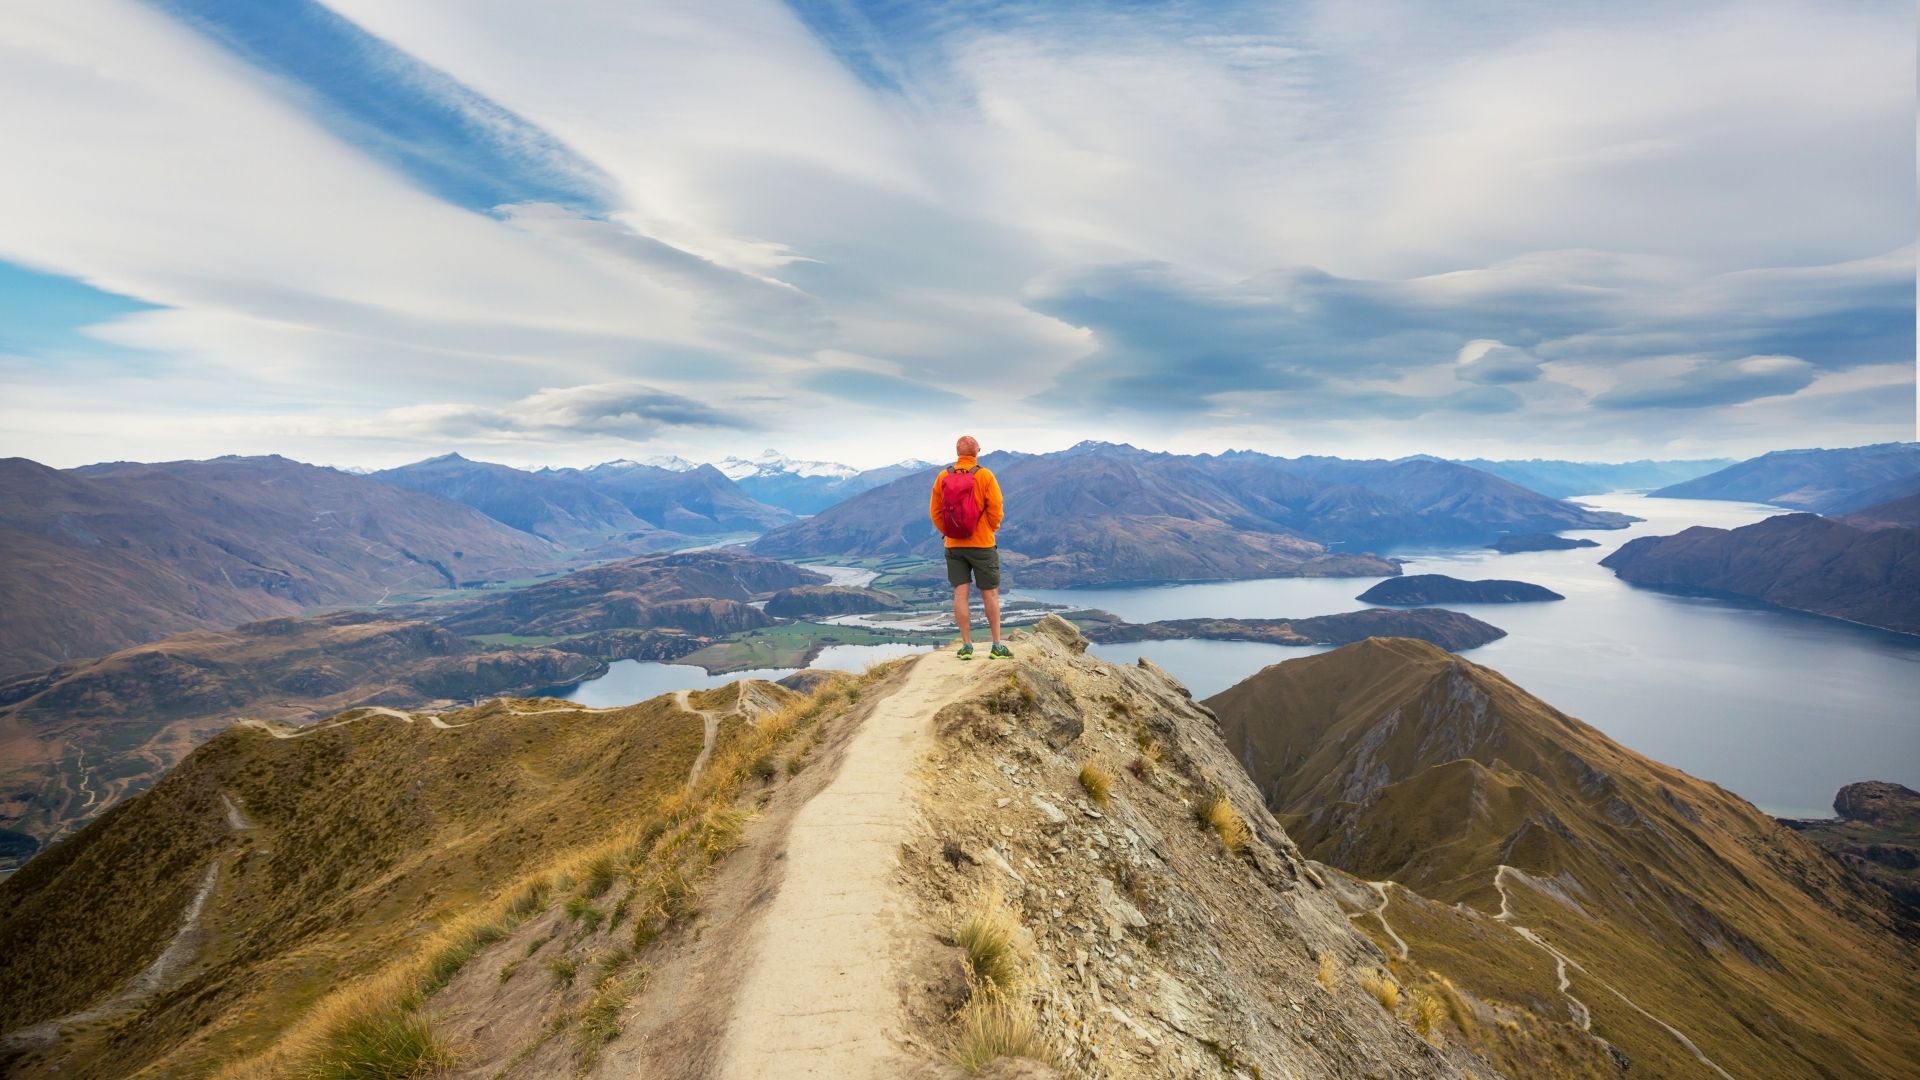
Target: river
x,y
1781,707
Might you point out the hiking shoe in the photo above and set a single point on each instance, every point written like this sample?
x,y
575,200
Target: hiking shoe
x,y
966,651
999,652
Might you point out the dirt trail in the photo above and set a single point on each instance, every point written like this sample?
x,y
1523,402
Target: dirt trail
x,y
683,698
1578,1007
821,997
1380,912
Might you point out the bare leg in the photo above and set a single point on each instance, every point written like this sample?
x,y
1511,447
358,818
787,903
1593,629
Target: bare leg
x,y
964,621
991,598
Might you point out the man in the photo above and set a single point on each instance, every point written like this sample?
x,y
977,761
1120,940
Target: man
x,y
966,508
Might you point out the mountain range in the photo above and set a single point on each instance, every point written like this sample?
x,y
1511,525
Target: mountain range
x,y
1826,566
1521,855
1101,512
1836,481
803,487
1565,479
107,556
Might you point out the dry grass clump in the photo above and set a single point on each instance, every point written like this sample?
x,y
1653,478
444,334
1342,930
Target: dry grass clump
x,y
1427,1011
563,969
1329,971
1383,988
994,1025
1214,811
989,933
447,962
1097,782
386,1044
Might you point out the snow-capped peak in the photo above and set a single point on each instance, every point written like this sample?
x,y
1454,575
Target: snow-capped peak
x,y
672,463
774,463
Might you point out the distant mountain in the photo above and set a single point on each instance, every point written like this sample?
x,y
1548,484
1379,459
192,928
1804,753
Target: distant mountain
x,y
109,556
1823,481
808,487
1800,561
1565,479
568,511
1902,513
700,501
1101,512
1508,843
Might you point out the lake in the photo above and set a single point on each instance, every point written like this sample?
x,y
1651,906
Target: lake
x,y
628,681
1781,707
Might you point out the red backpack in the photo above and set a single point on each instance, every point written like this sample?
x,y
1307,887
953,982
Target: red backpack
x,y
960,507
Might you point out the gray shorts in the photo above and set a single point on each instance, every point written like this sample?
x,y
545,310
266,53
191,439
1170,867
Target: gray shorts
x,y
981,564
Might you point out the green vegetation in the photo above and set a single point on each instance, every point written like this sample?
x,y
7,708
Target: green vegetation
x,y
792,645
383,1046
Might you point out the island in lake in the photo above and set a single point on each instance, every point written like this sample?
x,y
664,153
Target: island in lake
x,y
1421,590
1518,542
1451,630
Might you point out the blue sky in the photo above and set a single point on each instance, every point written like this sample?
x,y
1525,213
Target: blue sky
x,y
363,232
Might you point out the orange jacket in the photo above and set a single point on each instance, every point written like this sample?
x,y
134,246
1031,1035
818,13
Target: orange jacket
x,y
991,508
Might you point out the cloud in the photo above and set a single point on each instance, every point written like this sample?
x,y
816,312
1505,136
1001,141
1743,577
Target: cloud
x,y
1484,360
1709,384
1109,214
626,410
881,390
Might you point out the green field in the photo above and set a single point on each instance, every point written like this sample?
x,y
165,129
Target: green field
x,y
792,645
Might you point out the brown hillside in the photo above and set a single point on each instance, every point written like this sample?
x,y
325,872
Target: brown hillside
x,y
332,850
1668,897
113,555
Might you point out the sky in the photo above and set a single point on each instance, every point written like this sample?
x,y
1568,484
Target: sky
x,y
369,231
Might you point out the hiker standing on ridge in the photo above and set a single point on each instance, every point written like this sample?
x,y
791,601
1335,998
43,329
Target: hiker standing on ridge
x,y
966,508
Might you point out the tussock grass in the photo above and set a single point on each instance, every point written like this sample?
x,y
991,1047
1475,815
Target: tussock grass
x,y
1383,988
563,969
1457,1008
1329,972
1214,811
1147,762
600,876
994,1025
989,933
382,1045
1426,1012
1096,781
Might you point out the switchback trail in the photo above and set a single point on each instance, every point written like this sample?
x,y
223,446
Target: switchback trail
x,y
820,997
1579,1008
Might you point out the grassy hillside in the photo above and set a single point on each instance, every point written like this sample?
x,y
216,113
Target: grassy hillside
x,y
360,863
1668,897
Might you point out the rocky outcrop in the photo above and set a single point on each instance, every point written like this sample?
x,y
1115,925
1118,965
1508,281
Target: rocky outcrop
x,y
1448,629
1419,590
815,601
1877,833
1799,561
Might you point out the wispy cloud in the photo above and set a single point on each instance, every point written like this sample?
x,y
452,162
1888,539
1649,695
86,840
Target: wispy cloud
x,y
1275,224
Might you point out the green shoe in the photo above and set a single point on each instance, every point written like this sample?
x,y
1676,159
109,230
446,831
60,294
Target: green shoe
x,y
966,651
999,651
